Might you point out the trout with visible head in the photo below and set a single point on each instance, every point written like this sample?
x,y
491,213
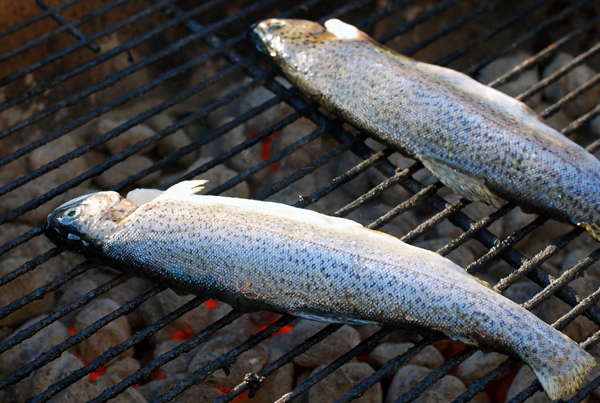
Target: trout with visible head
x,y
261,255
481,143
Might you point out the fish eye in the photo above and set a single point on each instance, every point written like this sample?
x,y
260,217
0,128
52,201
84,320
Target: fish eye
x,y
72,212
277,24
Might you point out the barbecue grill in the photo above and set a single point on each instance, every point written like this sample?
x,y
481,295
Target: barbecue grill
x,y
78,80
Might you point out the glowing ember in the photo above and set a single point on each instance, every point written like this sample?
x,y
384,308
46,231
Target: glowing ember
x,y
285,329
156,375
449,348
182,335
96,373
210,303
265,152
72,330
239,399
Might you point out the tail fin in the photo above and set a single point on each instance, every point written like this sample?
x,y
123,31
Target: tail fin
x,y
561,379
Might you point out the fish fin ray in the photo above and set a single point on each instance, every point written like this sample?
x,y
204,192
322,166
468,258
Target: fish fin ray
x,y
593,229
183,189
142,196
331,318
466,186
463,338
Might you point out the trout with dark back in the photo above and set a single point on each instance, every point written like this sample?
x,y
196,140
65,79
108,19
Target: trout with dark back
x,y
261,255
481,143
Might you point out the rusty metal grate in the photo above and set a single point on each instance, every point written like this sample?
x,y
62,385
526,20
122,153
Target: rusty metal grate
x,y
187,40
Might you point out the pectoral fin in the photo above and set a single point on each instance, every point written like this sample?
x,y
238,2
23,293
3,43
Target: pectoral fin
x,y
593,229
464,185
331,318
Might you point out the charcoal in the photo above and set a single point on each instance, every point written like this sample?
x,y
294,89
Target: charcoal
x,y
252,360
31,348
429,357
108,336
444,390
576,77
341,381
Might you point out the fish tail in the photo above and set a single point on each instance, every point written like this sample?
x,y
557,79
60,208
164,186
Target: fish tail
x,y
559,380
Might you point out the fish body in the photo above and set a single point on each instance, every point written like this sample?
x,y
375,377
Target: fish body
x,y
481,143
261,255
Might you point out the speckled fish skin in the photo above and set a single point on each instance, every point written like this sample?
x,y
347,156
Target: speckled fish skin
x,y
262,255
481,143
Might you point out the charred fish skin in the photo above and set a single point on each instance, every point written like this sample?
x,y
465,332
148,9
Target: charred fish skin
x,y
481,143
262,255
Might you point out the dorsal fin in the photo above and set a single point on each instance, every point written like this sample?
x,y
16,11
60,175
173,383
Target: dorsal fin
x,y
183,189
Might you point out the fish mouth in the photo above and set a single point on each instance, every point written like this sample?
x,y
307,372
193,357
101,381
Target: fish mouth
x,y
258,36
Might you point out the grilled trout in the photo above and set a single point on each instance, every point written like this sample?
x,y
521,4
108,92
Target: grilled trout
x,y
262,255
481,143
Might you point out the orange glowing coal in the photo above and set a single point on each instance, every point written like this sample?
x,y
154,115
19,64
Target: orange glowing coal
x,y
238,399
265,151
210,303
182,335
96,373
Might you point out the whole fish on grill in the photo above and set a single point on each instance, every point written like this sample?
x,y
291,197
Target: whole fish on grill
x,y
262,255
481,143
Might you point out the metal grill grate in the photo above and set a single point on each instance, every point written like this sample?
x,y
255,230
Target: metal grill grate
x,y
61,91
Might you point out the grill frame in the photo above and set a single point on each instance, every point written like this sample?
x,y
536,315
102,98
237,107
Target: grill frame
x,y
348,141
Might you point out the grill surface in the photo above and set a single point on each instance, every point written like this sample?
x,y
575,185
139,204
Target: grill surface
x,y
196,60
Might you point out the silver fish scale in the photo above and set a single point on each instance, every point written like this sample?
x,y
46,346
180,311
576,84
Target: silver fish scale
x,y
406,106
256,259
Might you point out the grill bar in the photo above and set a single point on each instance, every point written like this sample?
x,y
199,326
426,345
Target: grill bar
x,y
538,259
581,122
369,342
28,266
450,27
42,291
125,47
388,368
114,78
377,190
224,361
65,26
72,30
436,375
428,225
560,72
100,168
405,205
152,366
571,96
416,21
70,49
302,172
7,247
53,317
491,32
116,350
543,54
40,16
56,351
478,226
528,35
373,161
280,362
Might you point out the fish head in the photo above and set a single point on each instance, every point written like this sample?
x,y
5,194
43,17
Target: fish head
x,y
293,43
84,223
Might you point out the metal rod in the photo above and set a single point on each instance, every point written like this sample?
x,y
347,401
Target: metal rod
x,y
63,21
